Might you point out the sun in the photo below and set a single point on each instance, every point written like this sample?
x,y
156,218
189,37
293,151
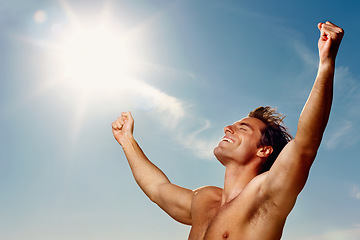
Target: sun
x,y
95,52
92,54
90,58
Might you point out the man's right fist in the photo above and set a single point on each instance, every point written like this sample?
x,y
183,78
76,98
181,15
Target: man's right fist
x,y
123,127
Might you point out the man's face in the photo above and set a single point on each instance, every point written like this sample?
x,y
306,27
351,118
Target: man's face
x,y
240,142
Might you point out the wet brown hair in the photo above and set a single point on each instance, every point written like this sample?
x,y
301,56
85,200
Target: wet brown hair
x,y
275,134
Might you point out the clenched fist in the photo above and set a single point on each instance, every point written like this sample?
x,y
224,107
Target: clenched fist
x,y
123,127
329,42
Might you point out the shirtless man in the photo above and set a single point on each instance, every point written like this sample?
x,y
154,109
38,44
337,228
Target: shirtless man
x,y
255,201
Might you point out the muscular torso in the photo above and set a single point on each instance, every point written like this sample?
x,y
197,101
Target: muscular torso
x,y
250,216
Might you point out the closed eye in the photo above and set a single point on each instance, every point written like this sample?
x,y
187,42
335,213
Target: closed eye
x,y
245,126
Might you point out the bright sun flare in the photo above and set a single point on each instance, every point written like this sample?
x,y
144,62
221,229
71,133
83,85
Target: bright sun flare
x,y
100,60
91,54
95,55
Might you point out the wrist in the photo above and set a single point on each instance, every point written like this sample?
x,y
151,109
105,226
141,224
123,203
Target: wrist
x,y
126,139
326,68
326,63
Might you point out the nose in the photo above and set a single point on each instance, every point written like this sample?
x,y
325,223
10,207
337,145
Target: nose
x,y
229,129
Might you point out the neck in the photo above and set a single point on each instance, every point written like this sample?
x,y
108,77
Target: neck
x,y
236,178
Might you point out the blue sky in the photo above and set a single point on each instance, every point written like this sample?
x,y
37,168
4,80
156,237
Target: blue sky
x,y
185,69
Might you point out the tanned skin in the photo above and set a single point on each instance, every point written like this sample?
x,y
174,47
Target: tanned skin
x,y
250,206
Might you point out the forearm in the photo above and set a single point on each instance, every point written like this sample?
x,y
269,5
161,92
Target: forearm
x,y
315,115
146,174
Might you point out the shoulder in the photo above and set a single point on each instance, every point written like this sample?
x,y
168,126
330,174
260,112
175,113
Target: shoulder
x,y
205,203
208,190
206,194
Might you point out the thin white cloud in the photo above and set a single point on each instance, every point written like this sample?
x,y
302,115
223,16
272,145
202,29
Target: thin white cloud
x,y
339,136
355,193
149,98
346,97
307,66
347,90
201,146
174,115
309,58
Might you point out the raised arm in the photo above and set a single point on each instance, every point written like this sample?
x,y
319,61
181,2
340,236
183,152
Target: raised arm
x,y
315,115
289,173
174,200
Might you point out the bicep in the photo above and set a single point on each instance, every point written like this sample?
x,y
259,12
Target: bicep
x,y
288,175
175,201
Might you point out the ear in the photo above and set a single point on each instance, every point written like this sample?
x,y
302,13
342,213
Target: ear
x,y
264,151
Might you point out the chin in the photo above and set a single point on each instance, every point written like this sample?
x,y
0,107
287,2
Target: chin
x,y
216,151
219,156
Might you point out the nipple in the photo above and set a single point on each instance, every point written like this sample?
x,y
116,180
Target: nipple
x,y
225,235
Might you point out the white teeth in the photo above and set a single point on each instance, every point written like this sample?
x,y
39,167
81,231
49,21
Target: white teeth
x,y
227,140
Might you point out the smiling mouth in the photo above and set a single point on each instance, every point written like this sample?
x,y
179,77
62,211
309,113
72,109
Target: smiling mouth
x,y
227,140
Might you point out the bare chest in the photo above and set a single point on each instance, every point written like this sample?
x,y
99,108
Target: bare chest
x,y
215,222
245,218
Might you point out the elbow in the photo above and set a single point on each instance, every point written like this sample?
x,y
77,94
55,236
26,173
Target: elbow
x,y
308,142
153,196
154,192
308,148
150,191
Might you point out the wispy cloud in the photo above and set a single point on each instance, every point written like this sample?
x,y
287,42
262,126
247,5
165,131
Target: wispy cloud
x,y
355,193
174,115
339,136
201,146
149,98
309,57
347,89
346,97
